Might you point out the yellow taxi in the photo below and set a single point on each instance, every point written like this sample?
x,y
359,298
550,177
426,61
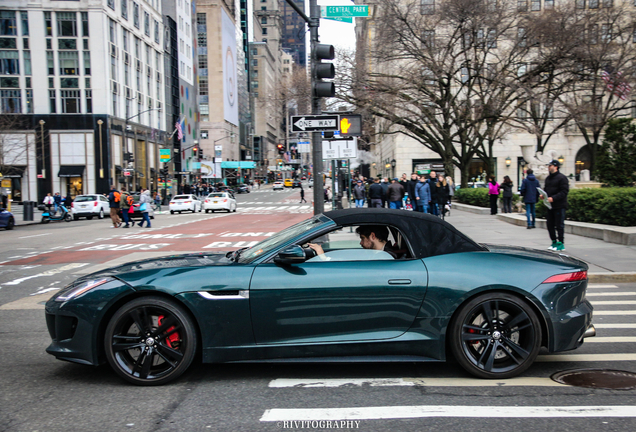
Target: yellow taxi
x,y
289,183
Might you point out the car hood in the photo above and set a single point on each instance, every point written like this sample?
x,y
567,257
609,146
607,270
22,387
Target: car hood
x,y
203,259
557,258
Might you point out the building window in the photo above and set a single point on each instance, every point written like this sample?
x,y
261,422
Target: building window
x,y
69,62
535,5
66,83
124,9
29,101
608,3
87,83
126,36
70,101
137,48
203,85
87,62
115,104
24,16
580,4
8,23
492,38
66,23
136,14
428,7
522,5
113,68
89,101
112,31
48,25
265,31
593,4
156,31
255,62
50,63
9,63
204,110
27,62
111,4
10,102
428,37
147,23
126,75
548,4
66,44
263,20
522,38
52,104
51,82
10,82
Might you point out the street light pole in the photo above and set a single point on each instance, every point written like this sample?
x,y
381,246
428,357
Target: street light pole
x,y
316,137
43,172
100,122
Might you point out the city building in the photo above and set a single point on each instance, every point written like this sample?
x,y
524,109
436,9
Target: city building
x,y
294,32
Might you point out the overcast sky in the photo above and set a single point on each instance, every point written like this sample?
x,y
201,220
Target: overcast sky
x,y
336,33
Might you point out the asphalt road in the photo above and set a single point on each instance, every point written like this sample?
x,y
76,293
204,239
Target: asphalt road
x,y
39,393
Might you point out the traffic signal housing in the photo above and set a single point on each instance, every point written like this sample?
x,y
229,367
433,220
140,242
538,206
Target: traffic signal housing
x,y
323,71
281,148
350,125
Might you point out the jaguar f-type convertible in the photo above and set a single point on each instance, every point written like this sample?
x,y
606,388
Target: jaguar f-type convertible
x,y
317,292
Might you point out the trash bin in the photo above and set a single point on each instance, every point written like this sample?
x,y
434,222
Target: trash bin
x,y
27,214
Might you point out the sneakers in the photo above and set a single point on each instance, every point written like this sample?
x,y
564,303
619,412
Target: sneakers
x,y
560,246
553,247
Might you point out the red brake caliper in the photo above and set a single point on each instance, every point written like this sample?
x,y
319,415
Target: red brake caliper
x,y
174,337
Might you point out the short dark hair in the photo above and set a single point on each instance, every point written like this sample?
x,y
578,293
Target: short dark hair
x,y
380,231
529,171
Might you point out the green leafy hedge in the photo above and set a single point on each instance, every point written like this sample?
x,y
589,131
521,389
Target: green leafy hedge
x,y
610,206
478,197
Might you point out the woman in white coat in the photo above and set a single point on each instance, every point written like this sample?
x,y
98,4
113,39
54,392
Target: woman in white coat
x,y
144,204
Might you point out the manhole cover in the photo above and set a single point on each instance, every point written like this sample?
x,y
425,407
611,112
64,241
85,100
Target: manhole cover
x,y
597,378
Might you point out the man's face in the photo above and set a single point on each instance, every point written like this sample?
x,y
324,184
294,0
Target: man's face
x,y
433,174
413,176
552,169
366,242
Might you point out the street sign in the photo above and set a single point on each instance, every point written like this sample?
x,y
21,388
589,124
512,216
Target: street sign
x,y
164,155
304,147
341,19
344,11
317,123
340,149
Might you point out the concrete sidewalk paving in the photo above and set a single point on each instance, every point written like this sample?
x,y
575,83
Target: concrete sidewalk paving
x,y
18,214
609,262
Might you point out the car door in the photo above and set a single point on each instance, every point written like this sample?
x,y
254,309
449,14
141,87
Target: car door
x,y
336,301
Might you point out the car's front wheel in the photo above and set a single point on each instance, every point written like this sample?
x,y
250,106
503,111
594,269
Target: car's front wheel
x,y
101,214
150,341
495,335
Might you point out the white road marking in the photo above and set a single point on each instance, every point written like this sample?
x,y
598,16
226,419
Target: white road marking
x,y
629,312
614,302
601,286
586,357
611,294
411,382
613,326
45,290
611,339
47,273
292,416
35,235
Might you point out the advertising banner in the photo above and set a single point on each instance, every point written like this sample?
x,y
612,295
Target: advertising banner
x,y
230,89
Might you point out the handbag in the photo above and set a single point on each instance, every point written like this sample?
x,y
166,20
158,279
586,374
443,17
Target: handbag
x,y
142,207
131,209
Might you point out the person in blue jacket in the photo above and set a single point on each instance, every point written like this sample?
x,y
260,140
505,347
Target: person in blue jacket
x,y
530,195
423,195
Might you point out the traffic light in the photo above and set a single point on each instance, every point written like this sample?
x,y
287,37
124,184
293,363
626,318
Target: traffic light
x,y
164,172
200,154
195,152
323,71
128,157
281,148
350,125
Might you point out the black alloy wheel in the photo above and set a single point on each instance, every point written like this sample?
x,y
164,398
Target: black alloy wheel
x,y
495,335
10,224
150,341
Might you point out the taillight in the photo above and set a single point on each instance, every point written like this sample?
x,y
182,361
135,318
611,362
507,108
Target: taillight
x,y
95,203
187,202
72,205
567,277
225,200
207,201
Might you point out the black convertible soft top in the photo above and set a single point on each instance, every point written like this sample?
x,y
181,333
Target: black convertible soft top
x,y
428,234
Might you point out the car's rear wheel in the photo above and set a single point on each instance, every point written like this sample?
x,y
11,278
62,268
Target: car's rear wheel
x,y
150,341
495,335
10,224
171,211
101,214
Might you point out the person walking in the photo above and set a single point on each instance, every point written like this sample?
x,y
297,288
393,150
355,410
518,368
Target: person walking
x,y
144,206
375,194
410,190
359,194
506,186
442,195
422,195
113,201
157,200
493,194
395,194
557,188
125,202
302,195
432,183
451,188
385,191
529,193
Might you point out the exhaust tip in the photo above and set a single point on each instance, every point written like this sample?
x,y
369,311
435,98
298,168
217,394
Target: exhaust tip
x,y
590,332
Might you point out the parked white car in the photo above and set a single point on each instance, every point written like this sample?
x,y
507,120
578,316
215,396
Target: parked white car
x,y
279,185
181,203
89,205
219,201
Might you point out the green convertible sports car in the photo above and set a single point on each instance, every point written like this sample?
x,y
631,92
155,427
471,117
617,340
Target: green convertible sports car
x,y
347,285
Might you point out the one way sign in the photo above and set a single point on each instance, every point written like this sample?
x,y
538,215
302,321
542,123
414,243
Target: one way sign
x,y
319,123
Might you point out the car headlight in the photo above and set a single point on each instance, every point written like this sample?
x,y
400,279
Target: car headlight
x,y
82,288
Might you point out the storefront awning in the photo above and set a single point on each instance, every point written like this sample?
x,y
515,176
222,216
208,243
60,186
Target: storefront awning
x,y
71,171
238,164
9,171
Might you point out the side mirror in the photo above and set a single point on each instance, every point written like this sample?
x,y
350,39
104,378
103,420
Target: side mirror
x,y
291,255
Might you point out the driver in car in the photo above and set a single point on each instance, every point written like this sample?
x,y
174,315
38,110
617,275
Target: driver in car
x,y
371,237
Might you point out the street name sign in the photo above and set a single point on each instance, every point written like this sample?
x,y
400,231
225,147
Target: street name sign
x,y
164,155
344,11
317,123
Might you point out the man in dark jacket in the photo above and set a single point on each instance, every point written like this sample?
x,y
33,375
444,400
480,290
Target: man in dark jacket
x,y
528,190
410,189
385,190
113,202
375,194
395,194
557,188
432,182
359,194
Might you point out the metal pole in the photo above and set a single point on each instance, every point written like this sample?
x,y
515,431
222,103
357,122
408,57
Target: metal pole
x,y
316,137
101,156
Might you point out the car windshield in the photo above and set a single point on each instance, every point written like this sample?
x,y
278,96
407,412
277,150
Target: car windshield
x,y
83,198
182,197
282,237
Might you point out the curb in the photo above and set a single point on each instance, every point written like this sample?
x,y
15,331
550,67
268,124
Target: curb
x,y
617,277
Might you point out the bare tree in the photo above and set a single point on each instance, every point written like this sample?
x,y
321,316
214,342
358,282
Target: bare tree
x,y
13,143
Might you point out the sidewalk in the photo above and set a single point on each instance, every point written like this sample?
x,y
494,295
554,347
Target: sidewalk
x,y
18,214
609,262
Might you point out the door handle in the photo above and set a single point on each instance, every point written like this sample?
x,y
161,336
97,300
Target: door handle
x,y
399,281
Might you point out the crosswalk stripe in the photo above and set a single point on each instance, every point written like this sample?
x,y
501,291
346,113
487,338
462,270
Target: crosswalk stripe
x,y
614,326
601,286
614,302
411,382
611,339
629,312
586,357
293,418
611,294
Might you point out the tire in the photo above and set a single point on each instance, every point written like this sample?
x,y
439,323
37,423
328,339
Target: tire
x,y
101,214
495,335
158,353
200,208
10,224
179,211
207,211
45,221
75,217
88,217
234,209
68,217
171,211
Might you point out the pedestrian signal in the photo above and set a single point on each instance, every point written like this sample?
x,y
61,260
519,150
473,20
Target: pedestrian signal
x,y
350,125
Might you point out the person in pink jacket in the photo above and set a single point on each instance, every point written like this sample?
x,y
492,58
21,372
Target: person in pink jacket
x,y
493,193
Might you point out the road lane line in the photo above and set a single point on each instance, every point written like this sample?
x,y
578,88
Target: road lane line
x,y
614,326
611,294
586,357
35,235
611,339
411,382
629,312
294,417
614,302
601,286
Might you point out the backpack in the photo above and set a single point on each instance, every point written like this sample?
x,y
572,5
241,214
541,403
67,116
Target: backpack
x,y
129,200
116,196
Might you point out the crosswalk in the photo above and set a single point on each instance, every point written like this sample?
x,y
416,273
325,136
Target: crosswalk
x,y
614,337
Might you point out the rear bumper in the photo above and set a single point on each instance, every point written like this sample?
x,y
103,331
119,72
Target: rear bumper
x,y
570,328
